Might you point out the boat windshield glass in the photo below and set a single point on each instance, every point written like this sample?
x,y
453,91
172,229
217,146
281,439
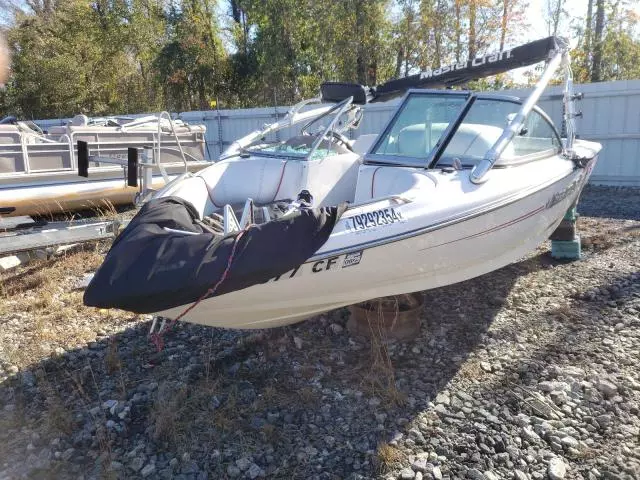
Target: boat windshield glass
x,y
298,147
418,127
315,140
483,125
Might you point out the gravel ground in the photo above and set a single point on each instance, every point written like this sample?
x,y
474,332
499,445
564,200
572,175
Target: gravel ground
x,y
530,372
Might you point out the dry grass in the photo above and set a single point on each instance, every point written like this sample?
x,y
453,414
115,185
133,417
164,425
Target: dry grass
x,y
471,370
41,297
388,458
308,396
181,414
380,380
58,418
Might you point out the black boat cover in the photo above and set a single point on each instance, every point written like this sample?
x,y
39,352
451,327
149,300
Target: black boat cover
x,y
449,75
150,268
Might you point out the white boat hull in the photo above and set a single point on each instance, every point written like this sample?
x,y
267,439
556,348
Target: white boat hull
x,y
519,213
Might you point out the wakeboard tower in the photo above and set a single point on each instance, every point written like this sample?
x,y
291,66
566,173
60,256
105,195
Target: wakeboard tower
x,y
456,185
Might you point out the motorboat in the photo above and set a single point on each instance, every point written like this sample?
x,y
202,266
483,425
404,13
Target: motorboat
x,y
38,170
458,184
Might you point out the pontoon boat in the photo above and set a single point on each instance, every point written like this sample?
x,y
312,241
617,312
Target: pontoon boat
x,y
38,171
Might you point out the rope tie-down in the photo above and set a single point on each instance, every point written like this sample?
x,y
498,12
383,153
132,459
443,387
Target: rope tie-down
x,y
158,337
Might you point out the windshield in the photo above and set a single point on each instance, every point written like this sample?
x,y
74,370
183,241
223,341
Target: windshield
x,y
483,125
319,137
300,146
418,127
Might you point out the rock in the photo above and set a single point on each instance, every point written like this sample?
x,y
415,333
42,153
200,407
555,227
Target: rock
x,y
604,420
569,442
233,471
109,404
13,369
407,474
486,366
475,474
419,465
68,453
336,329
297,342
489,475
556,469
551,386
254,471
529,435
243,463
607,388
437,474
440,408
520,475
443,398
136,464
83,282
559,397
148,469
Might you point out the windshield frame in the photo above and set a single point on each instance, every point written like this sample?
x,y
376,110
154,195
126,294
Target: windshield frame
x,y
337,111
371,158
440,149
434,155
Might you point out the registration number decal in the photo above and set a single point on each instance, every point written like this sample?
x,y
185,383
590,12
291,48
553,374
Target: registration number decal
x,y
377,218
331,264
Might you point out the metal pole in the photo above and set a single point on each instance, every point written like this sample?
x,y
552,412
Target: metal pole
x,y
275,112
220,142
480,171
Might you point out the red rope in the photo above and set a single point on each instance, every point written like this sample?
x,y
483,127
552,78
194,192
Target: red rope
x,y
284,167
157,338
373,179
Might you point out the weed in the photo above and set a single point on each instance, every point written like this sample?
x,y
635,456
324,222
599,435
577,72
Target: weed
x,y
388,457
308,396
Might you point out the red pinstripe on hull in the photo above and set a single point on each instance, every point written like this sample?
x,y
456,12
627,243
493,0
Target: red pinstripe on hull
x,y
494,229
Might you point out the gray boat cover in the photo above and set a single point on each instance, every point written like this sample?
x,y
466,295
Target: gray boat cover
x,y
150,268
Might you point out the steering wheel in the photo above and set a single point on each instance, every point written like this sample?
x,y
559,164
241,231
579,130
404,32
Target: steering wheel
x,y
340,138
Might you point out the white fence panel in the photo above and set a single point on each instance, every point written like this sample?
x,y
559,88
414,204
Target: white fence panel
x,y
611,116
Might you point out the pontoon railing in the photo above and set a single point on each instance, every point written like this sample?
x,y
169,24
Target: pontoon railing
x,y
479,172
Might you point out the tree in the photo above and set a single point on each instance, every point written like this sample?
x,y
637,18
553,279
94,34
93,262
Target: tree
x,y
75,56
610,49
587,35
192,65
597,42
554,15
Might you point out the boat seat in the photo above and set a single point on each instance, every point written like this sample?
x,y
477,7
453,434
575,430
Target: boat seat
x,y
470,140
262,179
379,182
9,134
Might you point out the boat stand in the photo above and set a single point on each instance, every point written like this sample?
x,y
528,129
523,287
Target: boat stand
x,y
387,318
565,242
